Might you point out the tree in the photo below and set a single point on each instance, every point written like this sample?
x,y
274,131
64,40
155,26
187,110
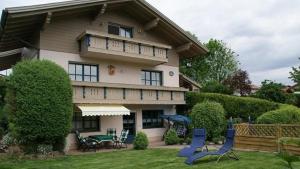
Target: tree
x,y
216,87
270,90
295,74
219,63
239,81
39,103
3,115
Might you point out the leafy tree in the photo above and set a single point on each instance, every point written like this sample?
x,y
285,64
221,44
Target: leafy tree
x,y
39,103
295,74
239,81
3,115
271,91
216,87
219,63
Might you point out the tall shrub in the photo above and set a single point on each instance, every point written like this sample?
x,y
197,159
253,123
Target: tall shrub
x,y
234,106
39,103
211,116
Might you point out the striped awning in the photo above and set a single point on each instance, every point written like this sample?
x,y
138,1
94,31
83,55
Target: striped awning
x,y
103,110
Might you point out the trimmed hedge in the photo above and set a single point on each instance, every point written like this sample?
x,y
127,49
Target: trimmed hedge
x,y
234,106
211,116
39,102
286,114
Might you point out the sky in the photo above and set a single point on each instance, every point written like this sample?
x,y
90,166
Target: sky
x,y
264,33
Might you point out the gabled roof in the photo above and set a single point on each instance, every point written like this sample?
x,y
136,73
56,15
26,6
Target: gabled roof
x,y
22,23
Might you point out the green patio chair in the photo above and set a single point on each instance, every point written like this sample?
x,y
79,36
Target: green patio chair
x,y
122,140
112,132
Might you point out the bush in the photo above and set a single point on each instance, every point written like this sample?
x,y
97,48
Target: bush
x,y
39,102
272,91
1,132
287,114
188,140
216,87
234,106
171,137
3,114
289,141
211,116
141,141
8,139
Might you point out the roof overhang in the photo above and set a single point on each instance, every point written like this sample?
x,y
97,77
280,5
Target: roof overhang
x,y
23,22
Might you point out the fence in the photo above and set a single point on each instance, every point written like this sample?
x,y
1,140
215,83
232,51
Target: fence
x,y
265,137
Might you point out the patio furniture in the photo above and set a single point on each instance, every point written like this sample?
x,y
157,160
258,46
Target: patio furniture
x,y
102,140
198,142
111,132
85,143
225,150
180,124
118,143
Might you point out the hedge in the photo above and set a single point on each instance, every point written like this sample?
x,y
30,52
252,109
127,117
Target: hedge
x,y
234,106
39,102
286,114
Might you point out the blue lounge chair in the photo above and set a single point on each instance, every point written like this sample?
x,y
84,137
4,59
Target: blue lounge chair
x,y
199,136
225,150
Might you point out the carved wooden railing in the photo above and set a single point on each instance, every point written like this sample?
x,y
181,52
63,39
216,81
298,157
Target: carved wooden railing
x,y
111,93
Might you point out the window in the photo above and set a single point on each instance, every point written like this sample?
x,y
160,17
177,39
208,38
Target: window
x,y
152,119
83,72
152,78
119,30
85,123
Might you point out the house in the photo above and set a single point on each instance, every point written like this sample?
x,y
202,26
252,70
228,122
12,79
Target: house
x,y
121,55
188,83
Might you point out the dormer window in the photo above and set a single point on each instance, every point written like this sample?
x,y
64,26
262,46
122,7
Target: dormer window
x,y
119,30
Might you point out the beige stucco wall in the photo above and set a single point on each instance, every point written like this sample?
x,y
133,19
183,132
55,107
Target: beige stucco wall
x,y
60,35
127,73
154,134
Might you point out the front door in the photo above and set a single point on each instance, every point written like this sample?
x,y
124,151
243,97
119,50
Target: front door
x,y
129,124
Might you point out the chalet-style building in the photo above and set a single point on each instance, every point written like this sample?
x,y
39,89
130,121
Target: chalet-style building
x,y
121,55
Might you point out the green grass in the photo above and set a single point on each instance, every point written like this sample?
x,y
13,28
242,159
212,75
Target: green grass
x,y
152,158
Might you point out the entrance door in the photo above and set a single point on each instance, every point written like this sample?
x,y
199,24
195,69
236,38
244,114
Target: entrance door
x,y
129,124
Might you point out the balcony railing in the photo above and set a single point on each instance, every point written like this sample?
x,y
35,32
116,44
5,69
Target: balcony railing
x,y
106,46
112,93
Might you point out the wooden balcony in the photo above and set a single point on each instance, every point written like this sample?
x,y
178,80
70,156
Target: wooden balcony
x,y
112,93
106,46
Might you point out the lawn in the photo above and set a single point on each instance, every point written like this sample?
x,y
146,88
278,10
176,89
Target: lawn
x,y
152,158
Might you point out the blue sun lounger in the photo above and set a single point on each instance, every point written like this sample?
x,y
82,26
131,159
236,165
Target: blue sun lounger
x,y
198,141
225,150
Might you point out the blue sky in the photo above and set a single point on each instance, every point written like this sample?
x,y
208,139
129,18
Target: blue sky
x,y
265,34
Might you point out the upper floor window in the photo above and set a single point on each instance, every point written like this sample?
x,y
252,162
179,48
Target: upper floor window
x,y
153,78
83,72
119,30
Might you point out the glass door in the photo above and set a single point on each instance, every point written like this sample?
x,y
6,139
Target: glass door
x,y
129,124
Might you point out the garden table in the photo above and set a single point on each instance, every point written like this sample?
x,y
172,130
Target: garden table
x,y
103,139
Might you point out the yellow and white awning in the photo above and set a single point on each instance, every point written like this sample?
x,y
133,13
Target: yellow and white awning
x,y
103,110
